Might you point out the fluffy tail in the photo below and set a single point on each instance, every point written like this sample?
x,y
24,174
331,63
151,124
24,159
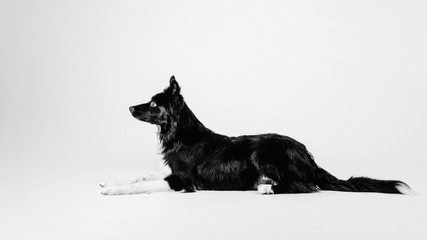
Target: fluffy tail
x,y
326,181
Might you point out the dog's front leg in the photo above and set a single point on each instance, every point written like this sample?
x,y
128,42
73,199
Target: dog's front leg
x,y
127,181
138,187
164,170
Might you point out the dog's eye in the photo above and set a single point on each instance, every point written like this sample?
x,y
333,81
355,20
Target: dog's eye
x,y
153,104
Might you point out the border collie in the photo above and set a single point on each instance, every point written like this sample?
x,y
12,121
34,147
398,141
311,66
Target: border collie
x,y
200,159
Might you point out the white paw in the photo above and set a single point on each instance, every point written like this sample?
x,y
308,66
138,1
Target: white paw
x,y
110,191
106,184
404,189
265,189
139,187
117,182
128,181
121,190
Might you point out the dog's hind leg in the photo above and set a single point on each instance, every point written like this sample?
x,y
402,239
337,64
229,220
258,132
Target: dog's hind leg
x,y
265,189
287,163
295,187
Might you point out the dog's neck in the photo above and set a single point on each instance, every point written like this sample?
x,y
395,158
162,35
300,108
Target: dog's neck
x,y
183,128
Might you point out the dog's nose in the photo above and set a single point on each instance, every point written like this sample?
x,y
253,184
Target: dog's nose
x,y
131,109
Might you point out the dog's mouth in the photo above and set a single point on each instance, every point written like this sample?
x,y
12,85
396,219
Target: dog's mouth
x,y
140,116
144,116
136,114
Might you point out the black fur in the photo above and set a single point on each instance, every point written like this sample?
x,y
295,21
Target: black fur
x,y
203,160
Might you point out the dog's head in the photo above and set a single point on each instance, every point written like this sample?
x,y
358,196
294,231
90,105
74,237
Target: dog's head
x,y
162,107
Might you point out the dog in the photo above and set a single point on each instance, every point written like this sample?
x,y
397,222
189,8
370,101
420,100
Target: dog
x,y
200,159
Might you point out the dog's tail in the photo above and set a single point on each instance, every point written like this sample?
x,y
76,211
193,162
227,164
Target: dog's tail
x,y
326,181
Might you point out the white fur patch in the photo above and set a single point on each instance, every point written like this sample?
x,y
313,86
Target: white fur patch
x,y
265,189
128,181
136,188
404,189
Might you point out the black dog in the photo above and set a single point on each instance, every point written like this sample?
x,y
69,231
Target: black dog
x,y
203,160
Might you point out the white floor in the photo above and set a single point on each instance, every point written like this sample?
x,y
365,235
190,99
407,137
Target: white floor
x,y
65,203
346,78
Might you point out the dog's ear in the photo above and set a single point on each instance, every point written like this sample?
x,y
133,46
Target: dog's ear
x,y
174,86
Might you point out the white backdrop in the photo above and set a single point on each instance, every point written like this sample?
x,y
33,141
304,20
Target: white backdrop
x,y
348,79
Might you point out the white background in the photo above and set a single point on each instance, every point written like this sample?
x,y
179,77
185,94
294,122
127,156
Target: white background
x,y
348,79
